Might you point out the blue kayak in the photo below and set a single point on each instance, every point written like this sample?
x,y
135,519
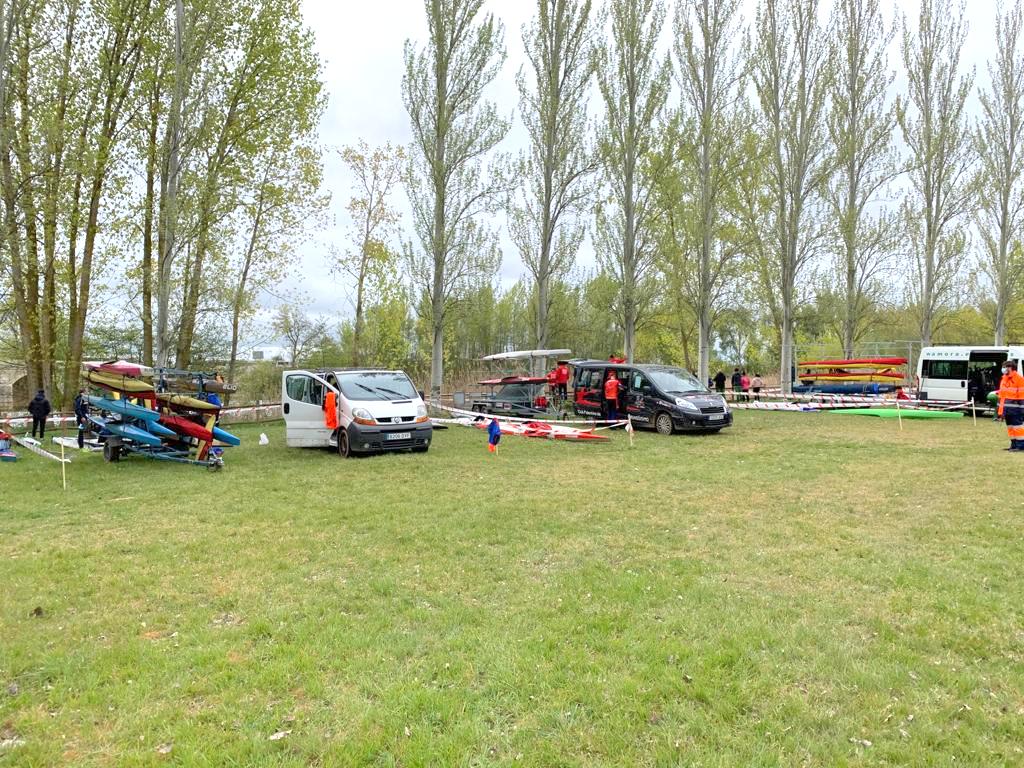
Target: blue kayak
x,y
126,431
123,407
160,430
225,437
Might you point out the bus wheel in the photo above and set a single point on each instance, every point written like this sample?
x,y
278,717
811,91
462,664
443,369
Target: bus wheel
x,y
663,423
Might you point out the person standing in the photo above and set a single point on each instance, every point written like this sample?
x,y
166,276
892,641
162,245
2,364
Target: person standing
x,y
756,384
745,386
611,396
1011,404
562,380
40,409
720,382
81,417
735,381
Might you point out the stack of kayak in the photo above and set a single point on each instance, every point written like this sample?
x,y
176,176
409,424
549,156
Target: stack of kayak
x,y
163,413
854,375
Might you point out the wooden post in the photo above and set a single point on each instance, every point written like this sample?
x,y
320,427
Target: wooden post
x,y
974,412
899,414
63,463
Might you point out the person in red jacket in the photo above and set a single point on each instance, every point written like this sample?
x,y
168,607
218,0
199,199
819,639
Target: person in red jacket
x,y
611,396
1011,404
562,379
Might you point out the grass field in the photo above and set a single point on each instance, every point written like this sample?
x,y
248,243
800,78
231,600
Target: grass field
x,y
802,589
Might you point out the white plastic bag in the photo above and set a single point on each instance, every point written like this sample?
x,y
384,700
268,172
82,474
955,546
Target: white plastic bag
x,y
264,440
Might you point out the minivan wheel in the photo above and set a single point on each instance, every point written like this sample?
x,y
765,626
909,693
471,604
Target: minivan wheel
x,y
344,449
663,423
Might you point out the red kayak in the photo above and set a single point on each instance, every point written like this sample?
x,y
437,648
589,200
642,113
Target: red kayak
x,y
185,427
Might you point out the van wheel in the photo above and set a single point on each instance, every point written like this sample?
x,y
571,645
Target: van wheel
x,y
663,423
344,449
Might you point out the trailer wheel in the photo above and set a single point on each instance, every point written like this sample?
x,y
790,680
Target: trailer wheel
x,y
111,453
663,423
344,449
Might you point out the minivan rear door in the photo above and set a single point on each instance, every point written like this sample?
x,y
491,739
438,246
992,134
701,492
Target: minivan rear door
x,y
302,399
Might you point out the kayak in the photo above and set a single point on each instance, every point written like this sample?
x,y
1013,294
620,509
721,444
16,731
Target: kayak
x,y
225,437
893,413
888,376
120,383
185,402
192,385
183,426
126,431
123,407
857,362
120,368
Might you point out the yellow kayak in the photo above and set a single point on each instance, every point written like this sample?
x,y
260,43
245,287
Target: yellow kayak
x,y
184,401
119,383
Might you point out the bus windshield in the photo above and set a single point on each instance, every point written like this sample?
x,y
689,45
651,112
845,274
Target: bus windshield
x,y
377,385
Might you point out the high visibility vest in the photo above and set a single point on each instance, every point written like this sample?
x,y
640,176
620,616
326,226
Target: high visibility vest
x,y
611,389
331,410
1011,387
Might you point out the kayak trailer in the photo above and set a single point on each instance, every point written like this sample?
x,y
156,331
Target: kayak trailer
x,y
115,446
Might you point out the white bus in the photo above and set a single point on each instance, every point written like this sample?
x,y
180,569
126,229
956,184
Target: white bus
x,y
963,373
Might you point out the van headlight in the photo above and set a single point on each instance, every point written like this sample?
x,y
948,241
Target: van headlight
x,y
363,416
686,405
421,414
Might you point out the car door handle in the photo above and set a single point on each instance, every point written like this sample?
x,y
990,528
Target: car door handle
x,y
287,409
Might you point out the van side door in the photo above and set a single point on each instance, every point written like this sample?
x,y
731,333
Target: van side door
x,y
640,397
589,391
302,400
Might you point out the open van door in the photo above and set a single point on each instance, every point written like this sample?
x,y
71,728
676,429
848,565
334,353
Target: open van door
x,y
302,400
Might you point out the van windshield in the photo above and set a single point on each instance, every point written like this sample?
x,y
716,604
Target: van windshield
x,y
380,385
675,381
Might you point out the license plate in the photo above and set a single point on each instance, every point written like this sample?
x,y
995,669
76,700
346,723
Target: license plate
x,y
398,436
716,417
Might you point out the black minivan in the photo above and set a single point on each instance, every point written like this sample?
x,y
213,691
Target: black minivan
x,y
662,397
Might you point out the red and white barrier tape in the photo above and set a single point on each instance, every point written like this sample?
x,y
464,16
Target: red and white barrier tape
x,y
478,415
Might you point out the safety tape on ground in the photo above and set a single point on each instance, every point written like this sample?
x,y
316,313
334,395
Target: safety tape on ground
x,y
467,422
500,417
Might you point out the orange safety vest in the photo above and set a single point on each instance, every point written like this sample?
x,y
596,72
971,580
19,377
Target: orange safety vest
x,y
611,389
1011,387
331,410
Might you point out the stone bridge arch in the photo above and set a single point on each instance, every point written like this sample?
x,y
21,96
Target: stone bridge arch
x,y
14,394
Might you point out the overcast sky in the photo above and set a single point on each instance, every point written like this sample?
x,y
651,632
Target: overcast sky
x,y
360,44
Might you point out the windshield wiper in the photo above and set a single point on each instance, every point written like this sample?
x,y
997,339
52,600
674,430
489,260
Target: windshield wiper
x,y
375,390
393,392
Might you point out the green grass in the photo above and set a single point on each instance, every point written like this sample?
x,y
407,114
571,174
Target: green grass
x,y
781,594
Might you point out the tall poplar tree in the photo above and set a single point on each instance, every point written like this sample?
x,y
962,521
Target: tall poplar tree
x,y
546,217
999,140
934,126
454,128
861,123
634,83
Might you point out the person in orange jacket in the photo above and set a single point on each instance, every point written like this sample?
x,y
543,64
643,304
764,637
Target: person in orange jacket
x,y
611,396
1011,404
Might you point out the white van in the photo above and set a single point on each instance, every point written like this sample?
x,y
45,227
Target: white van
x,y
376,411
963,373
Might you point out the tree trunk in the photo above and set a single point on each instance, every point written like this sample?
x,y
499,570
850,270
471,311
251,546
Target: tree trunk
x,y
147,231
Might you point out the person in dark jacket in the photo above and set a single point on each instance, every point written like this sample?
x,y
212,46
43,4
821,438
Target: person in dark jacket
x,y
81,417
40,409
720,383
